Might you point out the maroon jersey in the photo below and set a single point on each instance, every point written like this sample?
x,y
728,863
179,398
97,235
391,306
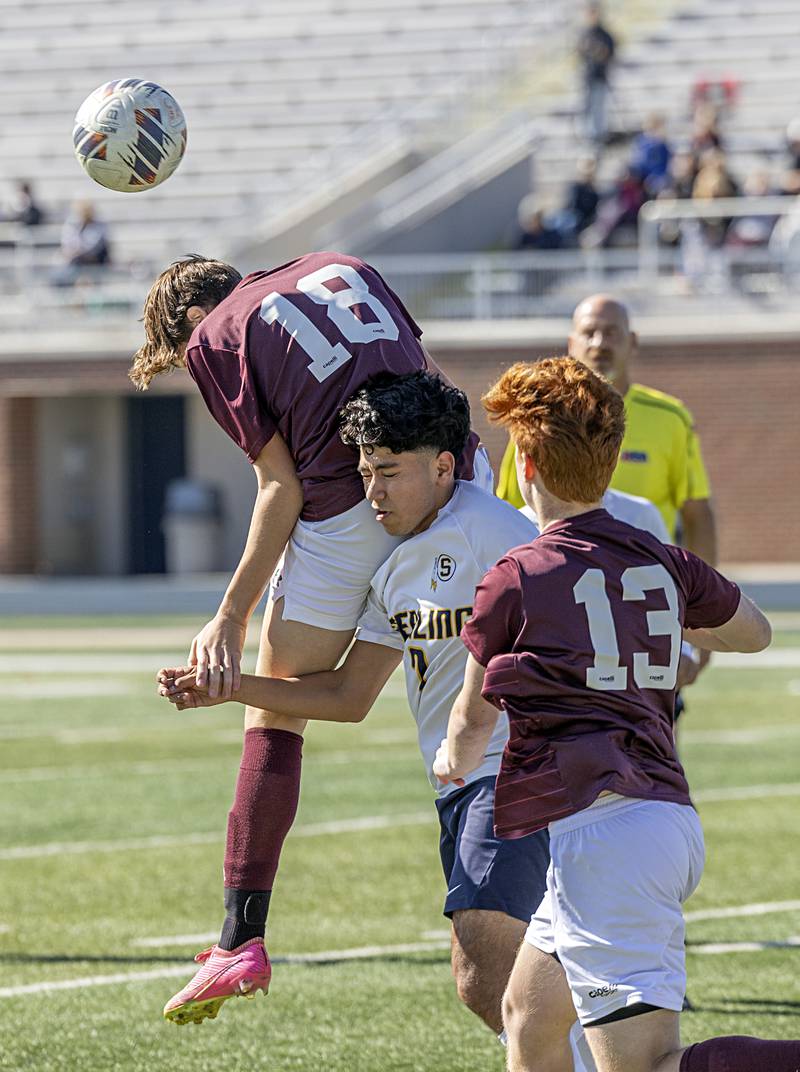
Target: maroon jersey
x,y
284,352
580,633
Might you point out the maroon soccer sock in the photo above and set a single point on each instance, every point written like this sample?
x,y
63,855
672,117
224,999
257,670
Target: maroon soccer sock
x,y
738,1053
264,807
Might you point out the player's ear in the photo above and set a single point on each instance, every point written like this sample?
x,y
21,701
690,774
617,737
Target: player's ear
x,y
530,469
445,465
634,344
195,314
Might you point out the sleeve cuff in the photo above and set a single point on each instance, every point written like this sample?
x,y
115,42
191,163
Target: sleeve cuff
x,y
386,640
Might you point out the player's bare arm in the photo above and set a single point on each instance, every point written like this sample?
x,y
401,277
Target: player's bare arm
x,y
700,529
342,695
472,721
747,631
216,651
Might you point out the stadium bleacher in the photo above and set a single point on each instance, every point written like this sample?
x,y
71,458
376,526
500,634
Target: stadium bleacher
x,y
277,101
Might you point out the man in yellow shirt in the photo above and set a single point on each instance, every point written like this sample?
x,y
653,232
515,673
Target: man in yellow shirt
x,y
660,457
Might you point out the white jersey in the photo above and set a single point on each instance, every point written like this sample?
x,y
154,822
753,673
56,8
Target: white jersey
x,y
632,509
421,597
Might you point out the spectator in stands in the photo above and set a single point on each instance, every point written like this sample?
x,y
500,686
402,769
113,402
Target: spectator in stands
x,y
680,183
683,168
790,183
793,144
652,155
705,129
704,263
23,207
84,243
713,181
534,230
580,207
755,230
596,48
618,213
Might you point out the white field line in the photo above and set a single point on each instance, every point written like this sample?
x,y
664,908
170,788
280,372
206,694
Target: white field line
x,y
773,659
332,956
741,947
747,792
21,775
176,939
57,688
99,666
751,735
103,667
168,841
731,912
375,822
763,908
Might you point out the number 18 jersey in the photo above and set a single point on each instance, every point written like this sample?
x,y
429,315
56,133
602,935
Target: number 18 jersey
x,y
580,633
287,348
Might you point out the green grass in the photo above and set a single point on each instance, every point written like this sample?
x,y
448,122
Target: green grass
x,y
105,769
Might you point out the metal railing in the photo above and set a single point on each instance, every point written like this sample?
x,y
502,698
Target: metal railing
x,y
778,250
485,286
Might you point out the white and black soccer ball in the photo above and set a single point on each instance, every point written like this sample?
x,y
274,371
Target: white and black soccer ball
x,y
129,135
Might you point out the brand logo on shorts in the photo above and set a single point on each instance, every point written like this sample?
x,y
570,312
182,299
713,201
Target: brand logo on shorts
x,y
443,569
603,991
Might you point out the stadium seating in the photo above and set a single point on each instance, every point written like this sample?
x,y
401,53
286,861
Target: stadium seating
x,y
279,101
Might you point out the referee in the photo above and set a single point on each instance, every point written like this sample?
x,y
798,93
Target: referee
x,y
660,457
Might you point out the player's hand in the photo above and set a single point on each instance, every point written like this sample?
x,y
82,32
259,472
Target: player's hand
x,y
179,686
216,653
442,768
692,662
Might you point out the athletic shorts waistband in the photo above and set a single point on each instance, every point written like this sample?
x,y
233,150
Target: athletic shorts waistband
x,y
605,805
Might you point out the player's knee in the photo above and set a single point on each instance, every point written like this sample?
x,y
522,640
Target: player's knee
x,y
531,1028
515,1012
470,987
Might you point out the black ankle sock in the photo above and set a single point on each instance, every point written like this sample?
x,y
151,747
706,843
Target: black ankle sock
x,y
245,916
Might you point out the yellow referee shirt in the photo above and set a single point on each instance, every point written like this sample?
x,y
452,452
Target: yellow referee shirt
x,y
660,457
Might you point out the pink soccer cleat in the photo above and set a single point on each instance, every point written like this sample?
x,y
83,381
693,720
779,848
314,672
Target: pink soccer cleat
x,y
224,974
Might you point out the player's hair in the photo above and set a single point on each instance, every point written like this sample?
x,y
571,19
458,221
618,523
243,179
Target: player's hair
x,y
568,419
416,411
193,280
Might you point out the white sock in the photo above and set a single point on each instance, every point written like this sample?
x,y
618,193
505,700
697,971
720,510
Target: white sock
x,y
581,1054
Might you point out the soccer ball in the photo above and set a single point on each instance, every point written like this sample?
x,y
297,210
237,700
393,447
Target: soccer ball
x,y
129,135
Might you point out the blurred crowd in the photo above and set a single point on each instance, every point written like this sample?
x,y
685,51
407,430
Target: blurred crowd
x,y
83,245
654,164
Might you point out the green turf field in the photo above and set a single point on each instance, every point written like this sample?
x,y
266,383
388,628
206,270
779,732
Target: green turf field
x,y
111,832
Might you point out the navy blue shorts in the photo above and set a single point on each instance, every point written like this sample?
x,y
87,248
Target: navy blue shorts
x,y
481,870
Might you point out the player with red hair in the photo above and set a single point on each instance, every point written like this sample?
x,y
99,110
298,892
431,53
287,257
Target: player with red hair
x,y
576,637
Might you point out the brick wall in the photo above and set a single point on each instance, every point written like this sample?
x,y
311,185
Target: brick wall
x,y
17,485
745,396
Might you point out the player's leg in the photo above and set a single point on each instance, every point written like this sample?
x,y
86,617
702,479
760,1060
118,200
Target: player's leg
x,y
494,887
651,1043
316,599
538,1014
263,810
268,784
484,948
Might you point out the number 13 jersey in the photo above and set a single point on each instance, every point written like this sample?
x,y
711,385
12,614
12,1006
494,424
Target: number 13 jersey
x,y
580,633
287,348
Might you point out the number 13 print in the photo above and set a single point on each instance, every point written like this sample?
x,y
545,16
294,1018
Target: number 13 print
x,y
607,673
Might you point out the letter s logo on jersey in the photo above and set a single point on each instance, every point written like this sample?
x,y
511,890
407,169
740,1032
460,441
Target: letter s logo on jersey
x,y
444,566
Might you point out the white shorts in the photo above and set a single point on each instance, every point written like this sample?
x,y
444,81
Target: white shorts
x,y
328,566
619,873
